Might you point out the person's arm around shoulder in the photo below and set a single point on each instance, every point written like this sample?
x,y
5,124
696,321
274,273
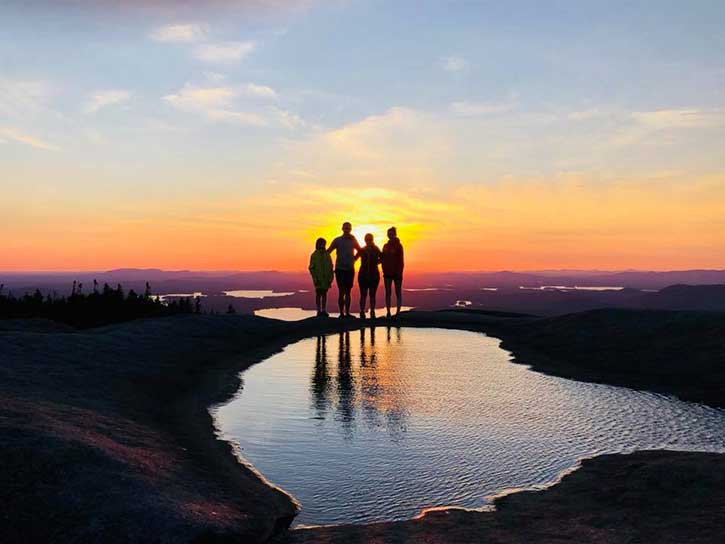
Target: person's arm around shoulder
x,y
333,246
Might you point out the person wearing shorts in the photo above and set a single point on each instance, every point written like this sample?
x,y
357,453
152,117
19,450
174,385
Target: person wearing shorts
x,y
393,264
368,278
346,247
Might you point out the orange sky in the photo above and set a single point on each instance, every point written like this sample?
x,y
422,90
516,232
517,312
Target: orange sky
x,y
230,135
660,223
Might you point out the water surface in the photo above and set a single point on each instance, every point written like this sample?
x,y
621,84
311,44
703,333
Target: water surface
x,y
256,293
377,424
297,314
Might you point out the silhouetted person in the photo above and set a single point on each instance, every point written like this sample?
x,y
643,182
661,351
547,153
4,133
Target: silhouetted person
x,y
368,277
321,271
345,246
393,265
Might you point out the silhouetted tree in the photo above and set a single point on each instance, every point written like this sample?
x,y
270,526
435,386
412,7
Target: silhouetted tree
x,y
96,308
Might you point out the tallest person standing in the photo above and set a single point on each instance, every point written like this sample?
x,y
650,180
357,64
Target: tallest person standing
x,y
393,264
346,247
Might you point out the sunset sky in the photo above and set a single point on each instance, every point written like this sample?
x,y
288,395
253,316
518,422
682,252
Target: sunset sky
x,y
230,134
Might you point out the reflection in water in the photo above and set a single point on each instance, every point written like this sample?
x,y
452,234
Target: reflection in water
x,y
356,387
377,424
321,379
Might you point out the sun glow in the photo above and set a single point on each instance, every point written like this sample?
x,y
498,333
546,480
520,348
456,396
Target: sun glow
x,y
379,233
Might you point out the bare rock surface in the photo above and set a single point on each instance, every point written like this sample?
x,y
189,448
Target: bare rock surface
x,y
106,435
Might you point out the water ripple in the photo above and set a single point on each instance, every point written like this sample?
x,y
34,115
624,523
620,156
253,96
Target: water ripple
x,y
377,424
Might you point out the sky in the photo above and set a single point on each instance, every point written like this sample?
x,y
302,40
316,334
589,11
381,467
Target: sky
x,y
518,135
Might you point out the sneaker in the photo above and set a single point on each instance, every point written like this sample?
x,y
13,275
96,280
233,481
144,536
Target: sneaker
x,y
372,314
362,315
319,313
341,316
389,315
324,314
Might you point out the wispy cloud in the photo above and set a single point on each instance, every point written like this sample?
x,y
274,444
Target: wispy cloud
x,y
191,97
223,52
453,64
261,91
466,108
21,98
15,135
288,119
102,99
680,118
238,117
194,97
185,33
222,104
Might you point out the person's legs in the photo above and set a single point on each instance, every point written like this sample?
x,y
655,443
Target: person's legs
x,y
373,291
363,296
323,301
318,300
340,279
398,293
387,282
341,299
347,300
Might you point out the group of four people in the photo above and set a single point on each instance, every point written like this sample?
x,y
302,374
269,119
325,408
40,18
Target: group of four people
x,y
348,250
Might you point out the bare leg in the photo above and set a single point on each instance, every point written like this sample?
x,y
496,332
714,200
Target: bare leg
x,y
398,293
347,300
323,302
387,282
363,296
373,290
341,299
318,301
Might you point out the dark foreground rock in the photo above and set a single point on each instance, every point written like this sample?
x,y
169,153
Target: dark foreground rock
x,y
105,434
654,496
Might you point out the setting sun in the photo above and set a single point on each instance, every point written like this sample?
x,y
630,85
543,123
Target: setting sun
x,y
379,233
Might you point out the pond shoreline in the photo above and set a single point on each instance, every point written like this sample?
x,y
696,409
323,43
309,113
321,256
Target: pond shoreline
x,y
109,435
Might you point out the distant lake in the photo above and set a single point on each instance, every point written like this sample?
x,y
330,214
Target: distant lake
x,y
426,289
377,424
256,293
163,298
572,288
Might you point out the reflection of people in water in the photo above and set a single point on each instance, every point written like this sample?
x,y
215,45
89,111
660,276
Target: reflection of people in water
x,y
393,264
320,386
345,383
397,334
371,389
368,277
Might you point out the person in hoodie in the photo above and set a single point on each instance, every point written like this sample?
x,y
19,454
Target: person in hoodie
x,y
321,272
393,264
368,277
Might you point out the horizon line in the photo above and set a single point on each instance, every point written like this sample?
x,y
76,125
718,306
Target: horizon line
x,y
302,271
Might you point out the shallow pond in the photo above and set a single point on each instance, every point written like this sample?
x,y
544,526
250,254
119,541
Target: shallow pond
x,y
377,424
